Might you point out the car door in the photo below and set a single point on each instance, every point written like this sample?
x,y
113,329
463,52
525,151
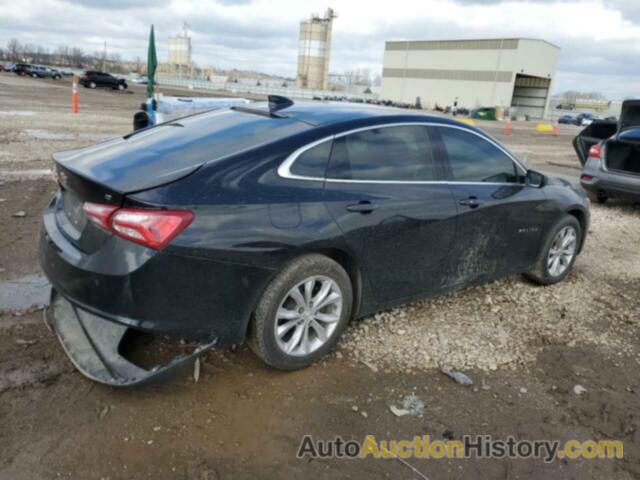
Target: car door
x,y
110,80
386,193
102,80
500,219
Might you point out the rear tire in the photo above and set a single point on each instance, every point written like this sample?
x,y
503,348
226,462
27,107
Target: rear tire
x,y
34,75
598,197
121,87
558,253
286,329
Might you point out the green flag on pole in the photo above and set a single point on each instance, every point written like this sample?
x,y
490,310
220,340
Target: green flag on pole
x,y
152,63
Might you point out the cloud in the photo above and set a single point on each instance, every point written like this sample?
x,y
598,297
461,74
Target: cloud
x,y
597,37
118,4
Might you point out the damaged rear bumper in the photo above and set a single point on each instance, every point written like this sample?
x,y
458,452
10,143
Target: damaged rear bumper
x,y
92,344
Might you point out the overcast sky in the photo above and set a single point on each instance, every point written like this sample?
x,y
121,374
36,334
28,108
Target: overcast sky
x,y
600,39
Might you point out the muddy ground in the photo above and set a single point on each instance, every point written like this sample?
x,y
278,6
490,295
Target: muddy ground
x,y
244,420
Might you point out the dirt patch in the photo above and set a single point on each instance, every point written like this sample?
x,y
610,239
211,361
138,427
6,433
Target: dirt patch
x,y
18,235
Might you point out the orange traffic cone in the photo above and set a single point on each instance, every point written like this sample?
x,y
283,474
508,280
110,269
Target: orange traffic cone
x,y
74,95
554,132
507,127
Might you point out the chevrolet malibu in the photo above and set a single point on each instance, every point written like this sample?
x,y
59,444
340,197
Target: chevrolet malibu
x,y
281,222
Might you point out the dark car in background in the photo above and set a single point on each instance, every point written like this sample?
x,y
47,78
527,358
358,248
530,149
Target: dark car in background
x,y
36,71
610,154
567,119
21,68
96,79
281,222
584,119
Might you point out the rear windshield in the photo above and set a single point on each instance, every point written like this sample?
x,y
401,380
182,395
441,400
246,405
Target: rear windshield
x,y
216,134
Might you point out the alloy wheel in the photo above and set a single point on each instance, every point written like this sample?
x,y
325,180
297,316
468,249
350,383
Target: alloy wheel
x,y
308,315
562,251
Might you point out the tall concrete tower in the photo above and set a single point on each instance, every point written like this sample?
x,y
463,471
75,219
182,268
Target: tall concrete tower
x,y
315,51
180,48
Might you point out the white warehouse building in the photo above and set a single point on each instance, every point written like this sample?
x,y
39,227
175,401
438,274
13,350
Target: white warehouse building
x,y
504,72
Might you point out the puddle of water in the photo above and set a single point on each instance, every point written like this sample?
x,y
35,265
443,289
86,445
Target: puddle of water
x,y
22,293
19,113
47,135
34,173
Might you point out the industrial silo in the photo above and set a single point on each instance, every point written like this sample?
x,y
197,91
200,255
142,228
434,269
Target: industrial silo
x,y
315,51
180,51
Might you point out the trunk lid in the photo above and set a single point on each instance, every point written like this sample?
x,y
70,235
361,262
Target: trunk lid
x,y
70,218
629,116
593,134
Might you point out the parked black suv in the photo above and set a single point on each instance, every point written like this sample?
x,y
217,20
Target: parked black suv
x,y
94,79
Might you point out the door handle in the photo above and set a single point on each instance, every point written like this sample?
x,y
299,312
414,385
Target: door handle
x,y
363,206
471,202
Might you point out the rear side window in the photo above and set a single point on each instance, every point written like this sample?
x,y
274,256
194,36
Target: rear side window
x,y
473,159
392,154
313,162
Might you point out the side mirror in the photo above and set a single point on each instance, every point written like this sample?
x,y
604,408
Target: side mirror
x,y
535,179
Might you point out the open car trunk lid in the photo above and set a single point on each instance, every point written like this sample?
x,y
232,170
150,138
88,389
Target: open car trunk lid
x,y
622,152
629,116
627,130
593,134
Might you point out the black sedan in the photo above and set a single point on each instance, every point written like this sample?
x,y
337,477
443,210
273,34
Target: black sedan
x,y
280,223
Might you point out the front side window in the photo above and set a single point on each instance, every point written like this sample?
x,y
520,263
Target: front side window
x,y
474,159
391,154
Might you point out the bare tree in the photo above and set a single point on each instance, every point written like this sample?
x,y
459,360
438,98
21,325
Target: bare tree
x,y
76,57
14,50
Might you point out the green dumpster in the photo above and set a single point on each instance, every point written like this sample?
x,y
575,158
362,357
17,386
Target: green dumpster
x,y
487,113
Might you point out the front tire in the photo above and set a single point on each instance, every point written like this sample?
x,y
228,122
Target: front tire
x,y
302,313
558,252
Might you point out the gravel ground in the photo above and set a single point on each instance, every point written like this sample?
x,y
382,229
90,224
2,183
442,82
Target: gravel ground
x,y
507,322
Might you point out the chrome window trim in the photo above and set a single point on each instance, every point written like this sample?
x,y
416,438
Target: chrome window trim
x,y
284,170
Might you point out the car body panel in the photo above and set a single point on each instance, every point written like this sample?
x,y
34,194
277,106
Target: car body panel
x,y
391,241
612,183
502,235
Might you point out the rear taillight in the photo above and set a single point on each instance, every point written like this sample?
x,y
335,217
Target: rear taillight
x,y
586,177
99,214
595,151
151,228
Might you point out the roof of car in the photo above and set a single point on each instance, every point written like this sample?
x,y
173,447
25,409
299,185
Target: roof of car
x,y
324,113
